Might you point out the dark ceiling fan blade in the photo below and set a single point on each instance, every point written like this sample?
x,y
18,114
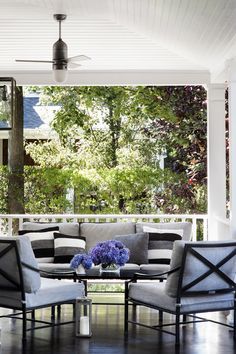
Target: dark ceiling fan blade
x,y
34,61
73,65
78,58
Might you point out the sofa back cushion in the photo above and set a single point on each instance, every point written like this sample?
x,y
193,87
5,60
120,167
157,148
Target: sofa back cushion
x,y
98,232
137,245
161,243
42,242
67,228
66,246
185,226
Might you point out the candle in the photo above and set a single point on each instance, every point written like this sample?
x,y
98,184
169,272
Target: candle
x,y
84,325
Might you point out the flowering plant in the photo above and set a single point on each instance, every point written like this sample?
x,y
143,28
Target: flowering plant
x,y
81,258
109,252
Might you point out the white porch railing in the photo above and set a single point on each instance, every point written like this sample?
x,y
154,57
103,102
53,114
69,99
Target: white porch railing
x,y
8,222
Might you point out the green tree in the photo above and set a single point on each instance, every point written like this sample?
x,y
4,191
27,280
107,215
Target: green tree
x,y
110,139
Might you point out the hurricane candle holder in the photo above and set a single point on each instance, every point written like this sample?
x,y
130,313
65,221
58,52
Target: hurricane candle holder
x,y
83,318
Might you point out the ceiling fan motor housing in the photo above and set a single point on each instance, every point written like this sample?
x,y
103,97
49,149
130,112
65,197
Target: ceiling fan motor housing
x,y
59,55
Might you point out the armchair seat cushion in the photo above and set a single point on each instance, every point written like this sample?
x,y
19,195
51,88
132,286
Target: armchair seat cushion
x,y
154,294
51,291
54,291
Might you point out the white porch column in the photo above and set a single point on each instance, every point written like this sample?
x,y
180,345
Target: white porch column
x,y
232,144
216,162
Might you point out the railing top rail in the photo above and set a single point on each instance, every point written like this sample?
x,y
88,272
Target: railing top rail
x,y
92,216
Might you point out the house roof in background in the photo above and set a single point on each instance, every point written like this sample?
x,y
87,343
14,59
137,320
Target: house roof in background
x,y
37,119
32,119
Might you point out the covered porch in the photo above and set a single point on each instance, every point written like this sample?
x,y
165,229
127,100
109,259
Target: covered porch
x,y
133,42
162,47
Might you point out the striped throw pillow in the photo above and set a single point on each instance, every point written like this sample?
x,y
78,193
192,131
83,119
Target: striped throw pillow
x,y
161,244
65,247
42,242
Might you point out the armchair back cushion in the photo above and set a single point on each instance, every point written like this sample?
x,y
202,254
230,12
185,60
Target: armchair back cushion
x,y
9,264
193,267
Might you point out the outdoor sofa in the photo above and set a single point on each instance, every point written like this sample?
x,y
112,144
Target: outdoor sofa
x,y
150,244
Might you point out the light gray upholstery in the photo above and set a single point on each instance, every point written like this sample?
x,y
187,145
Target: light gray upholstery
x,y
137,245
8,263
98,232
203,283
67,228
52,291
155,294
157,268
194,267
38,291
185,226
21,287
54,267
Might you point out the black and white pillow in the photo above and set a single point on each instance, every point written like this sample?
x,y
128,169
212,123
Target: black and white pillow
x,y
42,242
161,243
66,246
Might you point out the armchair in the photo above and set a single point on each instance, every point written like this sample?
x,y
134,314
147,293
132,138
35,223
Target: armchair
x,y
201,279
22,288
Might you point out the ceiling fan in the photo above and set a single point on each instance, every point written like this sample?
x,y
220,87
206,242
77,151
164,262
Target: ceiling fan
x,y
60,61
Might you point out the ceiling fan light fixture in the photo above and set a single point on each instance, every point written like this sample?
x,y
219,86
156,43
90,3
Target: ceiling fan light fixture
x,y
60,76
60,60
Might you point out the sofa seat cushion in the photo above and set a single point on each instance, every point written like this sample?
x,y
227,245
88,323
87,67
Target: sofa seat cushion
x,y
137,245
54,267
154,293
51,291
66,246
67,228
154,268
98,232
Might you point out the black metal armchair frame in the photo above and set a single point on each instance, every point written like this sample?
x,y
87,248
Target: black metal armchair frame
x,y
184,291
18,286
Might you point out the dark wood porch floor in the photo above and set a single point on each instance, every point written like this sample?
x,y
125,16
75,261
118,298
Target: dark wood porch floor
x,y
108,336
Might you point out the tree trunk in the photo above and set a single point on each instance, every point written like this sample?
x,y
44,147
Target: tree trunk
x,y
16,158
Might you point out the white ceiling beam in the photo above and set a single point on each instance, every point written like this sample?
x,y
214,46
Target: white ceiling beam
x,y
113,77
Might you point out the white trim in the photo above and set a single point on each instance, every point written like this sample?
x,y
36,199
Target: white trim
x,y
112,77
216,162
32,134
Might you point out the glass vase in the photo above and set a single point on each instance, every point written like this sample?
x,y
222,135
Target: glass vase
x,y
110,270
80,270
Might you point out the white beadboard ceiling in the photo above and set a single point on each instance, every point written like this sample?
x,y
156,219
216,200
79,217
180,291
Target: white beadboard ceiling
x,y
121,36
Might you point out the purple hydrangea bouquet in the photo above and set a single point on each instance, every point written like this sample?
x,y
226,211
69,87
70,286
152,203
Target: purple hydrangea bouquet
x,y
109,254
81,259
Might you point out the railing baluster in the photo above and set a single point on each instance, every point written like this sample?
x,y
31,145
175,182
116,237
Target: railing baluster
x,y
205,229
20,223
9,231
194,230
